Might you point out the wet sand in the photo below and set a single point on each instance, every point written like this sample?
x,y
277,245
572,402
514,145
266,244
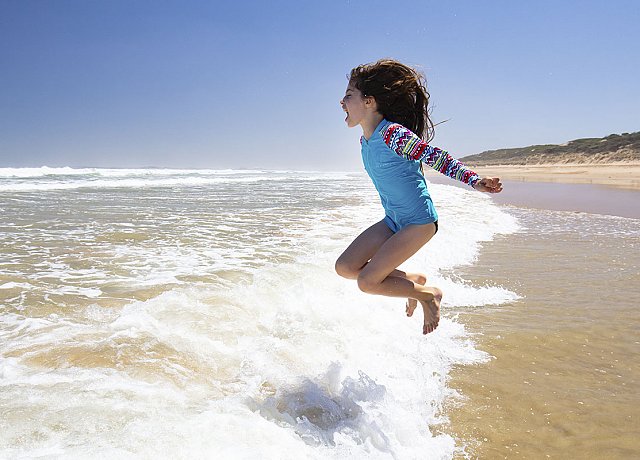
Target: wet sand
x,y
564,380
595,199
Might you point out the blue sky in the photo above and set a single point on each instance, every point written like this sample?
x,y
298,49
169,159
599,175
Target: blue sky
x,y
211,84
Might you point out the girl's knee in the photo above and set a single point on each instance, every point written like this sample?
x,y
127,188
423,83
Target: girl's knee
x,y
368,284
345,270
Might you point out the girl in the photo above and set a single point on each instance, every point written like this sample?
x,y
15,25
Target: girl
x,y
389,101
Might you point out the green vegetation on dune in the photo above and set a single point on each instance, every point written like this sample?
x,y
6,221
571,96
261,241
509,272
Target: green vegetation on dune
x,y
610,149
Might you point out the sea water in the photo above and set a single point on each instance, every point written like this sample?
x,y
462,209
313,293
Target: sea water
x,y
154,313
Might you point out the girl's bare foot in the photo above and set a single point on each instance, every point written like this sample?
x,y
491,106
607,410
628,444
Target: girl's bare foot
x,y
413,303
431,310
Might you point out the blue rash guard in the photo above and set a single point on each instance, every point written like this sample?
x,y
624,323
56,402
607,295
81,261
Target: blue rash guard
x,y
392,157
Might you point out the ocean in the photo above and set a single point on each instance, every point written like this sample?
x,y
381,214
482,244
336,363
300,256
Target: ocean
x,y
200,309
153,313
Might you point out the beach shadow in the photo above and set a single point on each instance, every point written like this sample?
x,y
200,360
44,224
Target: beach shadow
x,y
320,415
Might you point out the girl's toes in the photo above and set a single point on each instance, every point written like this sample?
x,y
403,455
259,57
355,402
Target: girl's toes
x,y
428,328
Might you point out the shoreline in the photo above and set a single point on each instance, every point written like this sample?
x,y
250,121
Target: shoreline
x,y
562,192
619,175
558,382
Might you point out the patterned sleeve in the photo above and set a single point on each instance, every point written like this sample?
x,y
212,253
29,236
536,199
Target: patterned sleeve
x,y
408,145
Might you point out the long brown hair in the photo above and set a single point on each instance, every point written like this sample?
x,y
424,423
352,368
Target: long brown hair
x,y
400,93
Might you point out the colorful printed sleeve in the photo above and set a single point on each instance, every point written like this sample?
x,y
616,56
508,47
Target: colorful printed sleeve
x,y
408,145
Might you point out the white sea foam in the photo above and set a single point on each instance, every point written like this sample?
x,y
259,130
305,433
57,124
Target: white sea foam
x,y
12,285
246,343
121,183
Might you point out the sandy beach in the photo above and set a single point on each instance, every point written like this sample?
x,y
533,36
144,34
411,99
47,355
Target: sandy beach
x,y
622,175
563,378
575,188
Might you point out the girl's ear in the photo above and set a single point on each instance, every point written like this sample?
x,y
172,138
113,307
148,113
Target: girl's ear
x,y
370,101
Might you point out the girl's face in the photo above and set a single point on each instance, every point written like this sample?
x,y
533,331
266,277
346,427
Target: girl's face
x,y
354,104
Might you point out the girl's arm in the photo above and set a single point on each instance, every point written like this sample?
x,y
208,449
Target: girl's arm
x,y
408,145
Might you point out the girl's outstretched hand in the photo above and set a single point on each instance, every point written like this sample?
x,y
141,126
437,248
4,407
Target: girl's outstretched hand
x,y
489,185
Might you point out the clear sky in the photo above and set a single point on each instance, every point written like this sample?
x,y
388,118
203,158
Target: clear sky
x,y
231,84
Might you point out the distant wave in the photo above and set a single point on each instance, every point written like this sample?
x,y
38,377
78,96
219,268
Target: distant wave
x,y
115,172
67,178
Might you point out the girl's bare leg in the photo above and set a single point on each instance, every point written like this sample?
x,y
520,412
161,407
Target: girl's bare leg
x,y
358,254
379,276
418,278
361,250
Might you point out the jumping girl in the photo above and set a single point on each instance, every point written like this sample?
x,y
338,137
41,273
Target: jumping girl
x,y
389,101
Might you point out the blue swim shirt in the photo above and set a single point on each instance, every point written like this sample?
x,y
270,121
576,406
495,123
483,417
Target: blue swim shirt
x,y
392,159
